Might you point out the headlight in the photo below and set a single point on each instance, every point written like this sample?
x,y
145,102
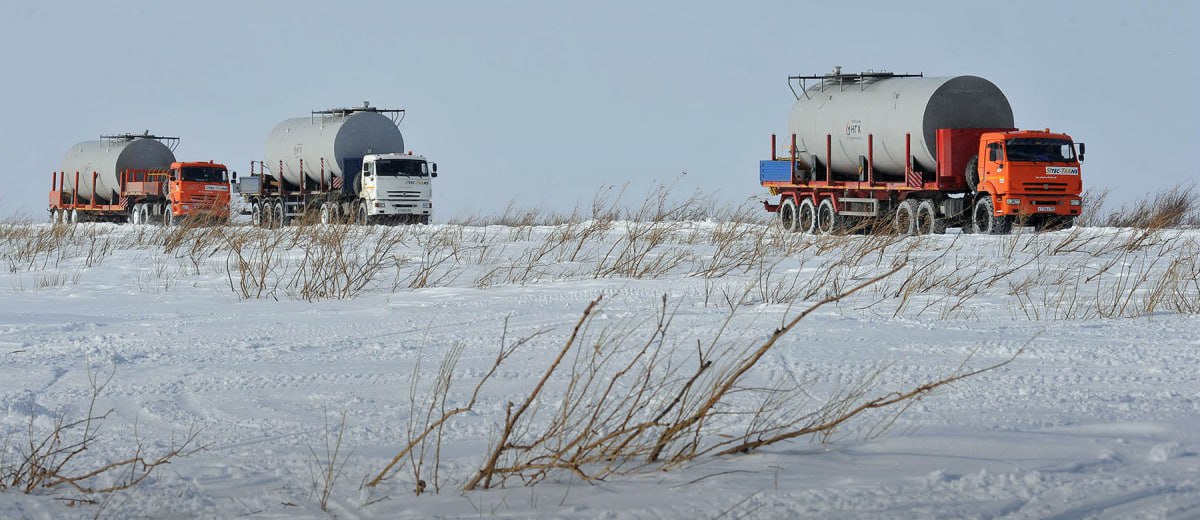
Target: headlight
x,y
1076,202
1013,202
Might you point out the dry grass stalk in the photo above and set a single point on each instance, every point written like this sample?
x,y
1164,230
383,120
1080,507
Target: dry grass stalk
x,y
437,399
49,461
325,473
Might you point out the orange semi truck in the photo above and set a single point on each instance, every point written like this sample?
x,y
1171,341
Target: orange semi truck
x,y
923,154
135,178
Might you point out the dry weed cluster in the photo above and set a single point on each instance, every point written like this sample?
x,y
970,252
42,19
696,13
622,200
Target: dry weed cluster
x,y
633,396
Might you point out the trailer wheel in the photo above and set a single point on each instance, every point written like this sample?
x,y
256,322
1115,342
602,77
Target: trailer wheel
x,y
905,219
256,214
928,222
827,217
787,215
74,218
326,214
806,216
985,221
972,173
278,215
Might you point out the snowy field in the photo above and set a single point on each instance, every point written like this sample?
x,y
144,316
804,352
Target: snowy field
x,y
261,342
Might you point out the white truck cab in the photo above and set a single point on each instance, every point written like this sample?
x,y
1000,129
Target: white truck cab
x,y
396,186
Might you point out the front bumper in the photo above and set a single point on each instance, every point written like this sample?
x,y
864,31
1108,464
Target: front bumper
x,y
399,207
1038,204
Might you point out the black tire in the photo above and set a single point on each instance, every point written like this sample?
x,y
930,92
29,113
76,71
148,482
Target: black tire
x,y
787,214
972,173
256,214
928,222
827,218
806,217
279,214
904,222
360,215
985,221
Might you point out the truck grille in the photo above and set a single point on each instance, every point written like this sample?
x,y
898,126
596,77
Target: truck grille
x,y
404,194
204,199
1045,187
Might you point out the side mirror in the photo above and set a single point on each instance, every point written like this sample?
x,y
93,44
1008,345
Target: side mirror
x,y
1082,150
233,176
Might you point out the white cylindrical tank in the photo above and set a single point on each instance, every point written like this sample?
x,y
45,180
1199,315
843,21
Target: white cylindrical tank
x,y
108,157
888,108
340,139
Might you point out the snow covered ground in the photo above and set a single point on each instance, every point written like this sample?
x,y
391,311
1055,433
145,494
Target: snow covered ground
x,y
1098,416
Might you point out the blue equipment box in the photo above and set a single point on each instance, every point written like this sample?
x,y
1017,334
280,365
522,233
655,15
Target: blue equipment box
x,y
774,171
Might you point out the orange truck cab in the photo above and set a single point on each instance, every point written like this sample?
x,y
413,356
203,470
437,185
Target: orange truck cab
x,y
1028,175
198,187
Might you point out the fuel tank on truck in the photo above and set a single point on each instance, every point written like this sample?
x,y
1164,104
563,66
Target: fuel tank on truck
x,y
338,137
108,157
849,107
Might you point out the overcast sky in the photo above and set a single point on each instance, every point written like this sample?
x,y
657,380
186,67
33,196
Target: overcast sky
x,y
544,103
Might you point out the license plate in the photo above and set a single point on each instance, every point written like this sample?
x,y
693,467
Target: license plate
x,y
1045,208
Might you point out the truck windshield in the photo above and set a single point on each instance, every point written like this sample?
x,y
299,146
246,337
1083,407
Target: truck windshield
x,y
203,174
1040,150
402,168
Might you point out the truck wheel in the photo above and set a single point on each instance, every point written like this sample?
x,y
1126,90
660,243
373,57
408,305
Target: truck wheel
x,y
972,173
256,214
787,215
168,216
928,222
905,219
361,216
827,218
135,215
985,221
326,214
806,216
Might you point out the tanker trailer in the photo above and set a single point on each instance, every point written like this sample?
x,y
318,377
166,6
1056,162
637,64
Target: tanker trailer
x,y
134,178
341,164
919,154
108,157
